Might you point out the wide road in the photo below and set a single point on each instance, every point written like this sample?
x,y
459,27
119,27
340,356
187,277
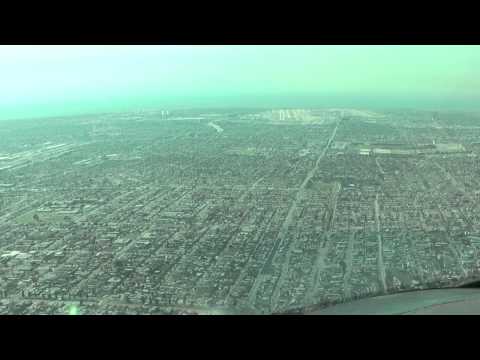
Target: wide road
x,y
301,194
381,265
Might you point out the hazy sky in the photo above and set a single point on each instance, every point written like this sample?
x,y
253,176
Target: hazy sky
x,y
60,80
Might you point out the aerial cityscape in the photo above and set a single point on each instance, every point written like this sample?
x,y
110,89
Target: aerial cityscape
x,y
235,210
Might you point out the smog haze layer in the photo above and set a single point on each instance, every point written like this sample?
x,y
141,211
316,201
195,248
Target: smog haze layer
x,y
42,81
